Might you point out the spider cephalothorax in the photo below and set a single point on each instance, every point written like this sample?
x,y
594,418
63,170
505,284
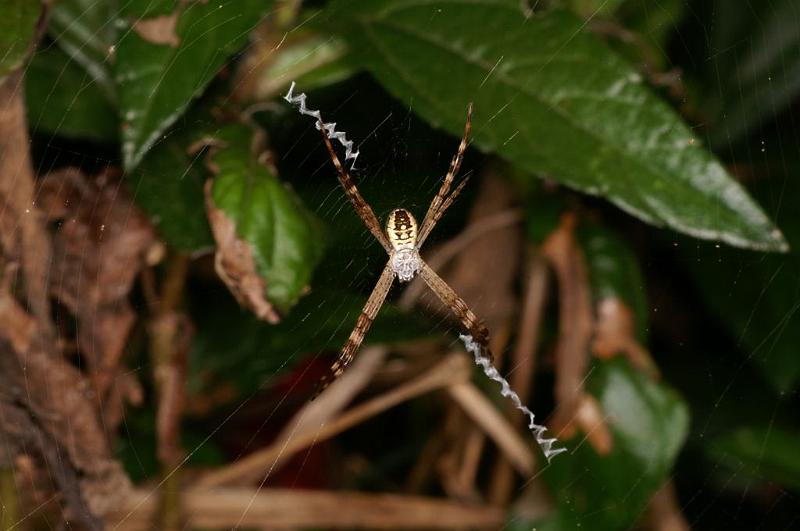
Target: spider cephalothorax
x,y
401,230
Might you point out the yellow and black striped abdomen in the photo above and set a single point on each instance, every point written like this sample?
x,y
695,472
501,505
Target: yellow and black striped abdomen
x,y
401,229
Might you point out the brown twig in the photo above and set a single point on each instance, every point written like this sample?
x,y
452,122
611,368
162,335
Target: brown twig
x,y
313,415
336,396
523,359
9,508
664,512
170,333
492,422
297,509
452,369
576,321
29,241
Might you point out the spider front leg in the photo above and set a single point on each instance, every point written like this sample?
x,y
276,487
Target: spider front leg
x,y
441,201
362,208
374,303
470,321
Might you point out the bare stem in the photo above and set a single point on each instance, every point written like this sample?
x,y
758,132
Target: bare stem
x,y
9,500
169,342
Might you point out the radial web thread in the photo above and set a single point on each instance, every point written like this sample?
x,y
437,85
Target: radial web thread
x,y
505,389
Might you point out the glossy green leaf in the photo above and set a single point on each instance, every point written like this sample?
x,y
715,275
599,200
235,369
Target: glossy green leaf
x,y
554,100
286,239
17,23
766,454
63,99
157,81
168,185
649,422
319,323
87,31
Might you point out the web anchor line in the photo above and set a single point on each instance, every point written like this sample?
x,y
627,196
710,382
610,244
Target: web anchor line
x,y
505,389
330,129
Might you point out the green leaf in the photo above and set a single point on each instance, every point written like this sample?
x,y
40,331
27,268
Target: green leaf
x,y
320,322
87,31
169,187
311,60
62,99
17,23
554,100
761,453
158,81
649,422
286,239
614,270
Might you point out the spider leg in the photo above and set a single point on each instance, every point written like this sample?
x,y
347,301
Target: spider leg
x,y
470,321
374,303
440,212
362,208
429,222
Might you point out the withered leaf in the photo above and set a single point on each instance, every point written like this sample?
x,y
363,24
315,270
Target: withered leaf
x,y
100,245
159,30
615,333
268,243
58,401
235,265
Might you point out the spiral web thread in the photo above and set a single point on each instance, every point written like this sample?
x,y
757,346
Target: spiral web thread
x,y
330,129
505,389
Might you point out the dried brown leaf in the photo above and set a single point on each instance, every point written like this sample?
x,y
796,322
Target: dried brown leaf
x,y
615,333
590,419
159,30
101,244
59,402
235,264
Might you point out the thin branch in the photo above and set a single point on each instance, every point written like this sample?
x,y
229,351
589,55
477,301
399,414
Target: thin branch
x,y
486,416
299,509
523,360
453,369
9,499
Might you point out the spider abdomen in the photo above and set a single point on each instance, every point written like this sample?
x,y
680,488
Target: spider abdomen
x,y
401,229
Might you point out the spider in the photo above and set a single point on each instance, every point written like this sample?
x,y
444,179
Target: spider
x,y
402,241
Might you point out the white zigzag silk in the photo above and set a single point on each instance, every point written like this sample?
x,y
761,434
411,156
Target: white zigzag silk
x,y
330,129
537,429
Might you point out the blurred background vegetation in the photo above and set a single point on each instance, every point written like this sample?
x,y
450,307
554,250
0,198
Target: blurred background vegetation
x,y
627,235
